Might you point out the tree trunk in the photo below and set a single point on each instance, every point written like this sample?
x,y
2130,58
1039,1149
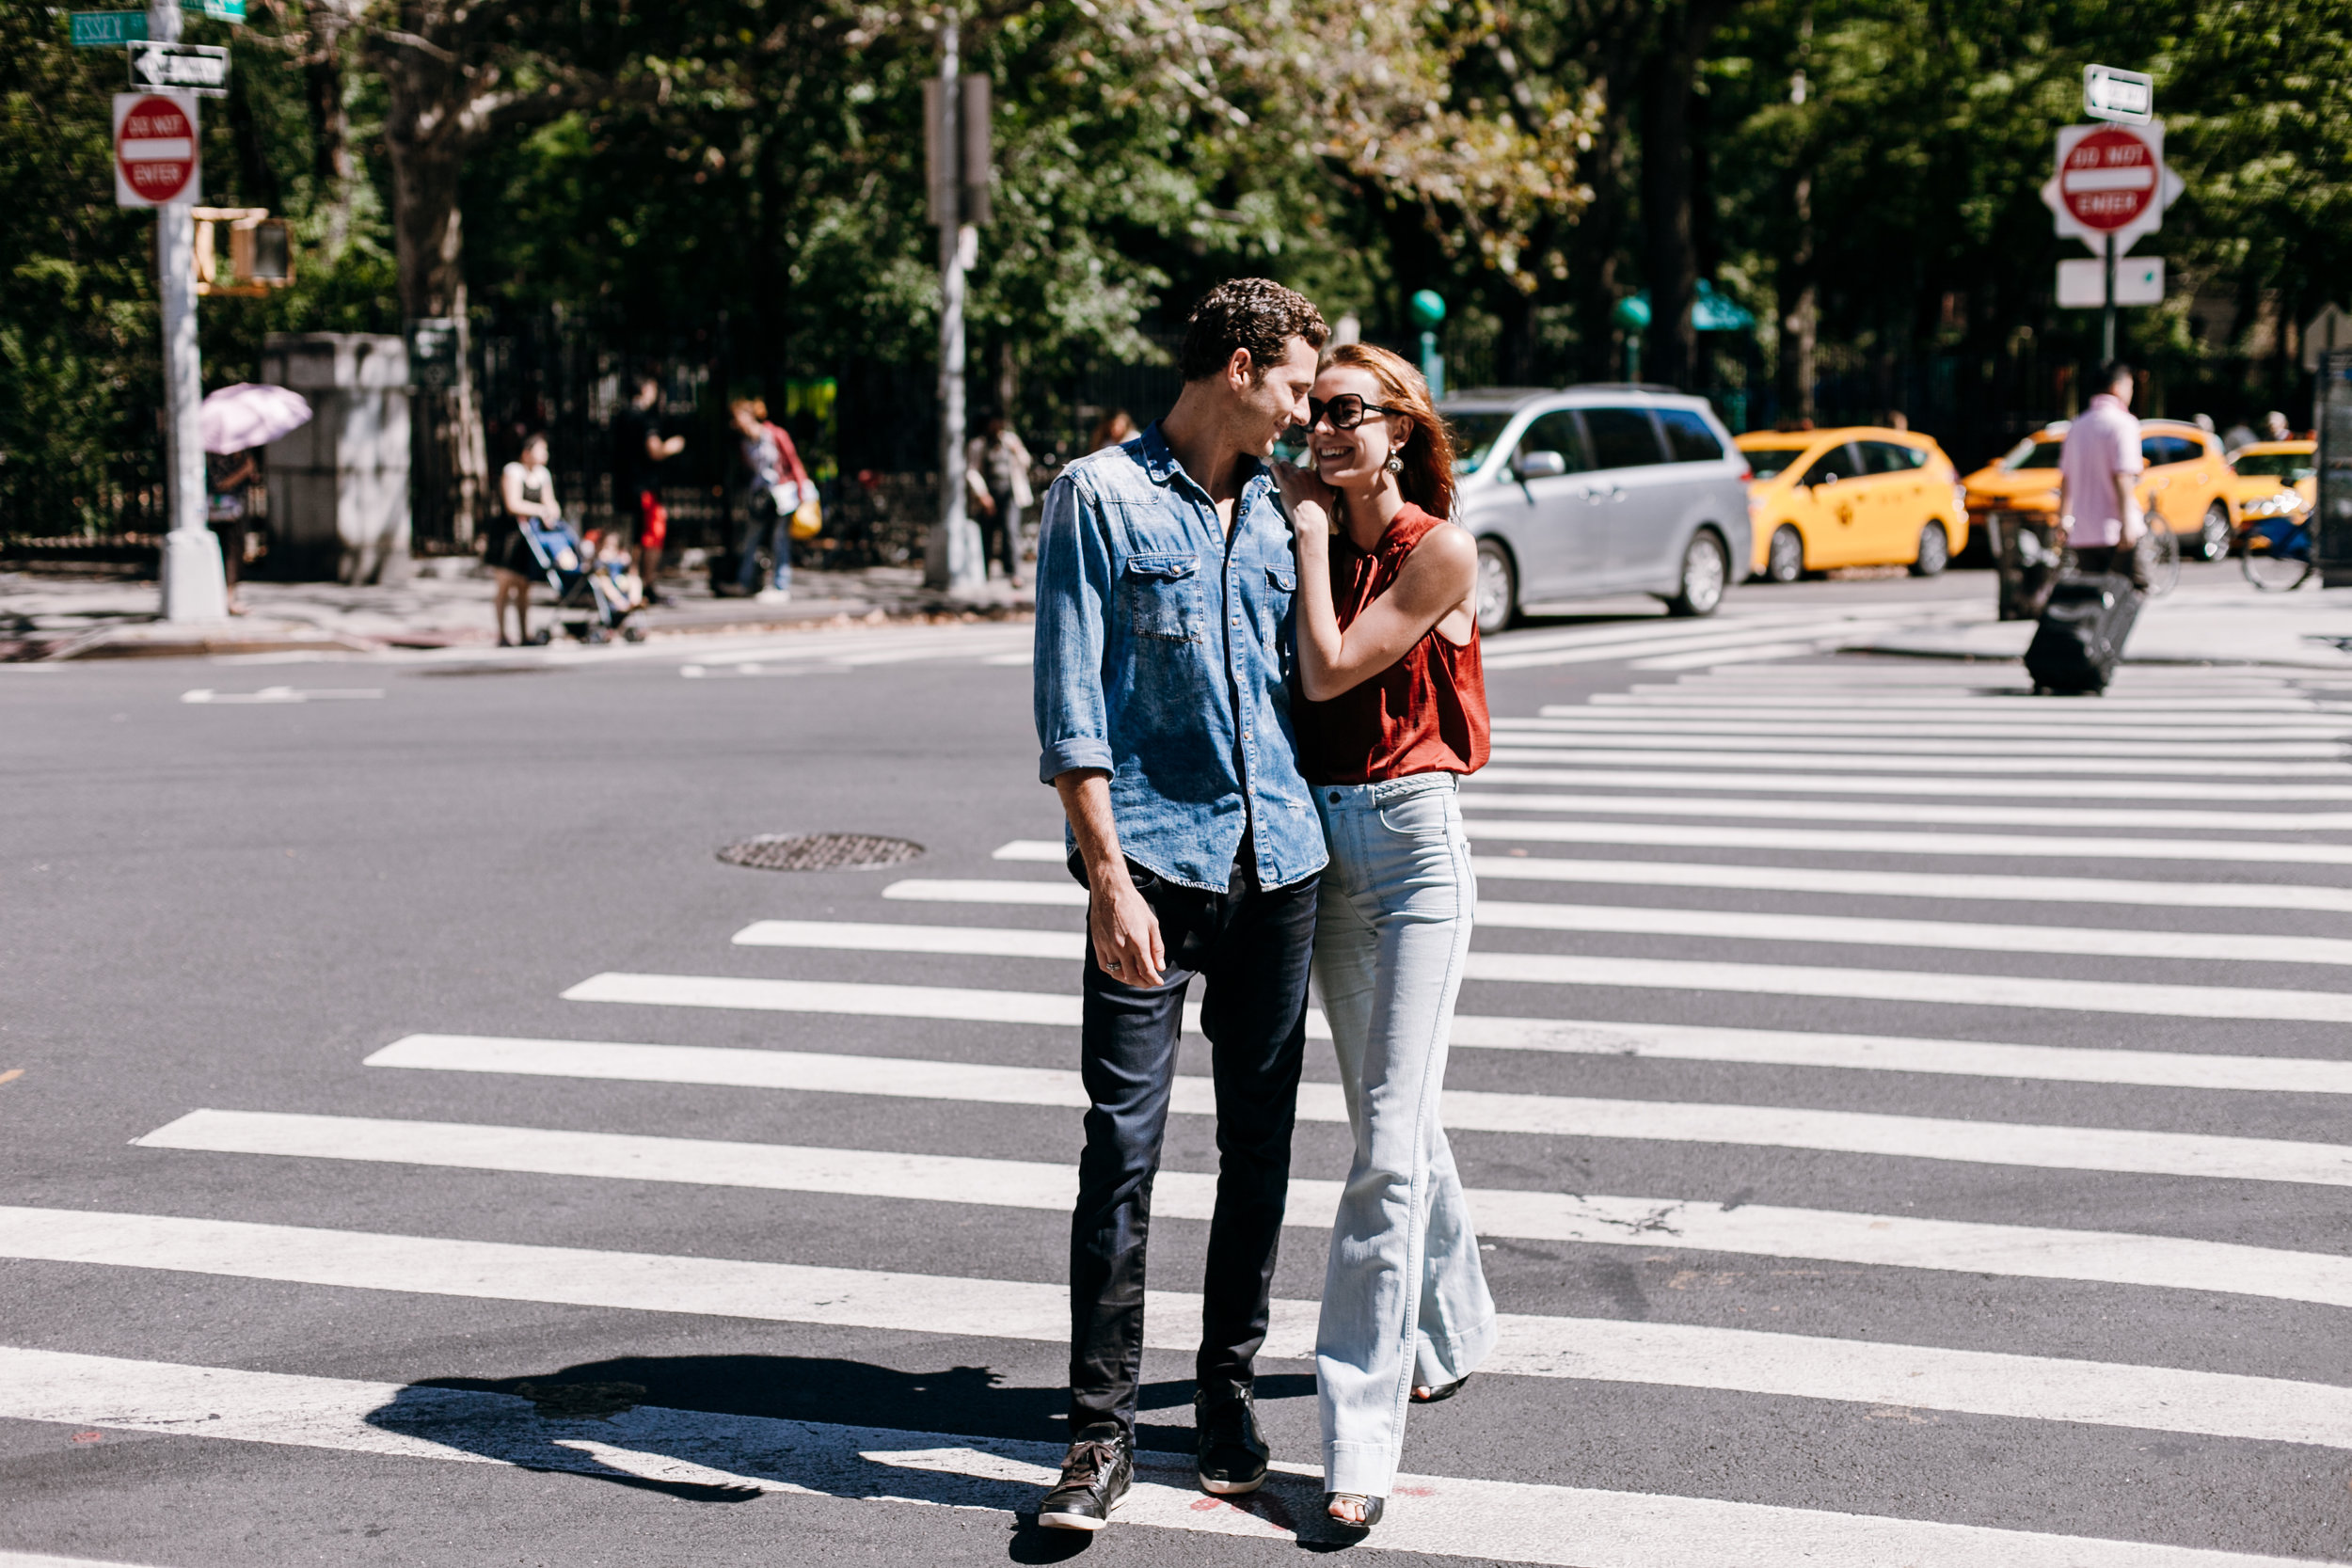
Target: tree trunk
x,y
330,122
1800,307
1667,181
1599,230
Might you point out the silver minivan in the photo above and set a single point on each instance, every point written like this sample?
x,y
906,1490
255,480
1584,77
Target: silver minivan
x,y
1589,491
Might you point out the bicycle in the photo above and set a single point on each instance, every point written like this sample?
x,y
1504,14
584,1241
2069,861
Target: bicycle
x,y
2277,554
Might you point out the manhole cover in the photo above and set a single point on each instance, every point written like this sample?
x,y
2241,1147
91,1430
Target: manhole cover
x,y
819,851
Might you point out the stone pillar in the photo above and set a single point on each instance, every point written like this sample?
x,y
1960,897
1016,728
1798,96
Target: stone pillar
x,y
338,486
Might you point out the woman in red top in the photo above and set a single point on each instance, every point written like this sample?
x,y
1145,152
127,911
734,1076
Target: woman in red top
x,y
1394,710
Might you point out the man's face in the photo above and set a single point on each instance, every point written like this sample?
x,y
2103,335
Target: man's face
x,y
1276,400
646,392
2122,389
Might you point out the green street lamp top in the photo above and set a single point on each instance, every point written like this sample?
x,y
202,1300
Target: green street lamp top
x,y
1428,309
1631,312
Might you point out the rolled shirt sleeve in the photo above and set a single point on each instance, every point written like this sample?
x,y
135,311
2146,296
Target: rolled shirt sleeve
x,y
1074,575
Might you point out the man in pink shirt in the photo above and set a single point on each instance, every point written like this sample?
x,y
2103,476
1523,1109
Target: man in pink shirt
x,y
2099,512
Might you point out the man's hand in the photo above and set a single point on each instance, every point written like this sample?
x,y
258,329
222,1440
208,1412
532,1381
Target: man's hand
x,y
1125,932
987,505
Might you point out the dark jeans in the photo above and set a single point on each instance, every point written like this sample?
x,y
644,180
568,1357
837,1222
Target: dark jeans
x,y
1253,946
2091,560
1003,529
764,527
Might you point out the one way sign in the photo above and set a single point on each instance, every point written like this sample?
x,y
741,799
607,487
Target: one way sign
x,y
198,68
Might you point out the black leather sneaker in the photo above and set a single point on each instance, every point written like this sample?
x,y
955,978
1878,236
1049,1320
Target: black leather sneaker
x,y
1232,1451
1094,1480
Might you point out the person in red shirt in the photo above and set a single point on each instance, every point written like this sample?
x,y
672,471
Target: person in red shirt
x,y
1394,712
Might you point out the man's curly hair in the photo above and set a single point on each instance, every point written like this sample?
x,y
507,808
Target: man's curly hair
x,y
1253,313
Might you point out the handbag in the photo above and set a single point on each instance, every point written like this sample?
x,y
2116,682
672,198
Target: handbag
x,y
808,519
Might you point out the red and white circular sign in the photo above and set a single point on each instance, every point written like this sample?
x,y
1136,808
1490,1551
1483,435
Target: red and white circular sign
x,y
155,150
2109,179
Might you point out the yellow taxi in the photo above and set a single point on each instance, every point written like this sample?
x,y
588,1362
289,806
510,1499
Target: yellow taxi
x,y
2186,485
1861,496
2273,479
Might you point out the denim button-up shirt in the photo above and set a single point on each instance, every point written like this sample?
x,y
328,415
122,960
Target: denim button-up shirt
x,y
1163,658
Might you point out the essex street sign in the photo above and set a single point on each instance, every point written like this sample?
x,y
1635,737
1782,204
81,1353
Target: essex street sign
x,y
155,161
107,29
197,68
2110,182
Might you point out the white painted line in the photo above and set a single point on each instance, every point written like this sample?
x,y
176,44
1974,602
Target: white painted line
x,y
2251,820
1623,721
2298,897
861,936
274,694
1873,763
1757,1230
1063,893
41,1559
1737,655
2156,1399
1691,775
1944,935
1585,743
2226,708
1970,936
1435,1515
2035,846
1725,638
1049,851
1998,1143
1863,1053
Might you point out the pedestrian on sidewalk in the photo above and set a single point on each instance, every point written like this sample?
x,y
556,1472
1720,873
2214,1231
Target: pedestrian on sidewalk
x,y
1116,429
1166,729
526,489
1396,712
996,471
2099,467
639,449
227,481
776,486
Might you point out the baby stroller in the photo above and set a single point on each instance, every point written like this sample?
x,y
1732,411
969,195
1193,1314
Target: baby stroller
x,y
594,598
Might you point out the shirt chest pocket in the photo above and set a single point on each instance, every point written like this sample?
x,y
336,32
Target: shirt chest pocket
x,y
1162,595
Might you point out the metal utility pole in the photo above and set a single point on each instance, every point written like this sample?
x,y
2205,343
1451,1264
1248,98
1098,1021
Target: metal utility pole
x,y
2107,316
955,137
196,588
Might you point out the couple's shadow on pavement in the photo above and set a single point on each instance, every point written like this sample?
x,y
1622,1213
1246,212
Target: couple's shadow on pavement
x,y
728,1429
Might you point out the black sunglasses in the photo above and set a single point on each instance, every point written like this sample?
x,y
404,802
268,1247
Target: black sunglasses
x,y
1345,412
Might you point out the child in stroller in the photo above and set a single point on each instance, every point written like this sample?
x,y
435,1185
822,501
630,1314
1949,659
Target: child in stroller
x,y
594,596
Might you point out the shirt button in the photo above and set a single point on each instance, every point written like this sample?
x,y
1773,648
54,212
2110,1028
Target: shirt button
x,y
1335,797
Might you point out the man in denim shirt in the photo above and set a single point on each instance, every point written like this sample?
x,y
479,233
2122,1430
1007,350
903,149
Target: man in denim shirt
x,y
1163,589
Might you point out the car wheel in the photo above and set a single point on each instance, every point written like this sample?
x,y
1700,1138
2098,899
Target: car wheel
x,y
1705,568
2213,535
1498,588
1784,558
1935,552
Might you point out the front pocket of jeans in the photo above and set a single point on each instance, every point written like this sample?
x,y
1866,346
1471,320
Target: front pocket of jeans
x,y
1163,596
1421,816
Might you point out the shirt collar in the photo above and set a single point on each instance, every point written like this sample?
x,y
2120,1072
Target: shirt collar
x,y
2108,400
1159,461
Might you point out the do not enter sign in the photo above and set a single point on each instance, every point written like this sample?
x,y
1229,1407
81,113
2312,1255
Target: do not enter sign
x,y
2108,178
155,149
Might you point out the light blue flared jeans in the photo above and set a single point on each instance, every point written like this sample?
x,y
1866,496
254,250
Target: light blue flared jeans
x,y
1405,1300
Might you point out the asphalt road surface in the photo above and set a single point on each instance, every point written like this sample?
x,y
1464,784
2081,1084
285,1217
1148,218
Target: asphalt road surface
x,y
1905,1116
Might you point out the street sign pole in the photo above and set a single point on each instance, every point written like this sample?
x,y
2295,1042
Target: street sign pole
x,y
2106,314
196,586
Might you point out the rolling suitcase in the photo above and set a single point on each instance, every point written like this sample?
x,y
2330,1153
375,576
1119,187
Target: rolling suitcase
x,y
2081,634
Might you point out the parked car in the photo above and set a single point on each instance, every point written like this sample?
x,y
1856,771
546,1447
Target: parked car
x,y
2273,479
1863,496
1589,491
2186,486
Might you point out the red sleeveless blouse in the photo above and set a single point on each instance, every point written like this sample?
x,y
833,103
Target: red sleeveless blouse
x,y
1426,713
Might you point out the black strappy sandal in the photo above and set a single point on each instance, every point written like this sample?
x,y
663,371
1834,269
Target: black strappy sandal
x,y
1441,1392
1372,1508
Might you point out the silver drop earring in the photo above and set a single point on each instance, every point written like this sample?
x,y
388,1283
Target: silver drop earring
x,y
1396,463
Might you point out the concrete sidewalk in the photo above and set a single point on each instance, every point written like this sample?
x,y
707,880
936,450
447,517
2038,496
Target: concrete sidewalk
x,y
58,617
2214,617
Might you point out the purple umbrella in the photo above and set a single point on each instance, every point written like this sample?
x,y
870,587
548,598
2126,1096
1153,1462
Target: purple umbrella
x,y
245,415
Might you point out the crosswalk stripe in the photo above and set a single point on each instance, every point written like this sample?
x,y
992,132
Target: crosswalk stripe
x,y
2025,1387
1495,913
1975,1142
1494,1521
1583,742
1874,1240
1569,1036
1715,639
1872,762
1635,920
1561,731
1906,812
43,1560
2229,710
1897,885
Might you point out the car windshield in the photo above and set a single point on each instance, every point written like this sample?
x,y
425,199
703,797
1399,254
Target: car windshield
x,y
2034,452
1765,461
2293,467
1475,431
